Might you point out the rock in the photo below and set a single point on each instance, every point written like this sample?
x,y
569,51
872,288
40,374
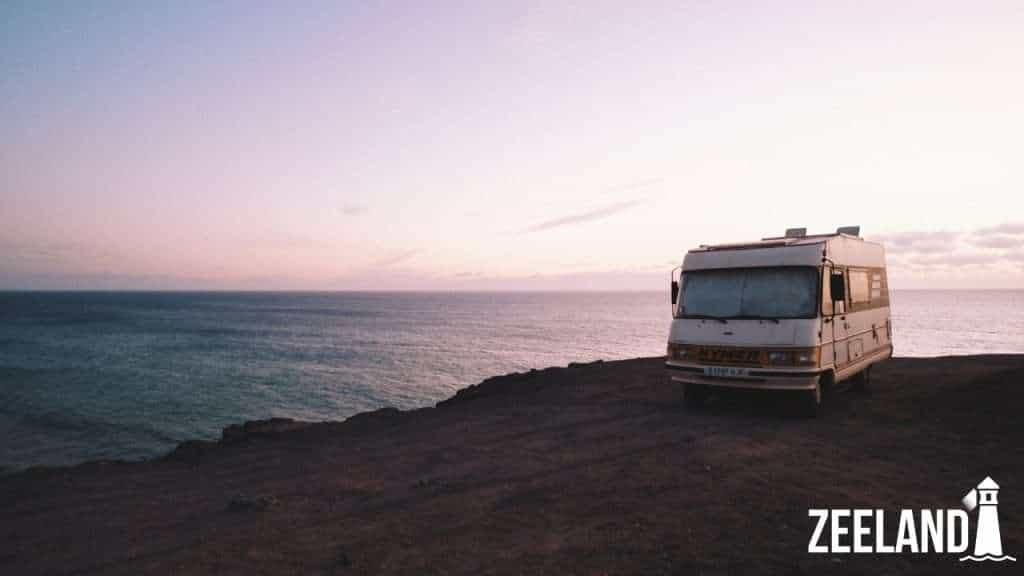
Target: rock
x,y
190,451
260,428
341,560
387,415
244,504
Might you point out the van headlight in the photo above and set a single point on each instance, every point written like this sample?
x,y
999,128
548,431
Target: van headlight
x,y
799,357
807,357
678,352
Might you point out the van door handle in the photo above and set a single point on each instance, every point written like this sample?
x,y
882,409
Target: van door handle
x,y
827,320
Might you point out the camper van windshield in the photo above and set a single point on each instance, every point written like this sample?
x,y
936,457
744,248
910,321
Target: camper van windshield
x,y
790,292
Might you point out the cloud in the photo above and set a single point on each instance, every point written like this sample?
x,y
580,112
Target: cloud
x,y
999,242
1008,236
922,242
631,279
54,253
584,217
1009,228
992,247
351,209
396,258
957,259
283,240
635,185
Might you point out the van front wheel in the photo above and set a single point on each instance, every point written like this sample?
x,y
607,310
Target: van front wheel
x,y
695,395
810,402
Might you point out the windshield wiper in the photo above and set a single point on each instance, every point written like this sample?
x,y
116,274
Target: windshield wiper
x,y
768,318
707,317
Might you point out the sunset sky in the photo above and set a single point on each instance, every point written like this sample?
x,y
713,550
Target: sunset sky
x,y
486,145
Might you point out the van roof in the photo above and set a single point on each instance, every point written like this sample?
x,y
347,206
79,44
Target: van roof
x,y
794,250
777,241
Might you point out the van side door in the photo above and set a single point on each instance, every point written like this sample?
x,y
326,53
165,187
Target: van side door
x,y
840,325
828,358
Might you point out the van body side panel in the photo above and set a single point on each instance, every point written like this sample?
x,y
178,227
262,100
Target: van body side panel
x,y
855,252
866,340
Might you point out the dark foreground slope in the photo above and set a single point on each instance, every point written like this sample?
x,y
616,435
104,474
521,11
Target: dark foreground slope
x,y
594,469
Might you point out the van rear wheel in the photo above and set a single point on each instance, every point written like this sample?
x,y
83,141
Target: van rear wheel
x,y
695,395
861,380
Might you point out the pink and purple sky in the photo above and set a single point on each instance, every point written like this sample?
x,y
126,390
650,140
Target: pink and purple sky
x,y
486,145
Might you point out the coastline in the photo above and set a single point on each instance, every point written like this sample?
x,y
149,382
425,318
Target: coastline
x,y
588,468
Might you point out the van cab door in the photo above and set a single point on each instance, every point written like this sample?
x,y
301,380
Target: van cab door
x,y
834,322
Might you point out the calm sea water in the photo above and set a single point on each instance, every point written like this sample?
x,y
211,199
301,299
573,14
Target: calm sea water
x,y
129,375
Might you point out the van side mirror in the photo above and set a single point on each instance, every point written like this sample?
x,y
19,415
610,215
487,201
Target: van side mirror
x,y
837,287
675,291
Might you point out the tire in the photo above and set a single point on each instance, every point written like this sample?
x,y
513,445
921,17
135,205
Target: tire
x,y
810,400
696,395
861,381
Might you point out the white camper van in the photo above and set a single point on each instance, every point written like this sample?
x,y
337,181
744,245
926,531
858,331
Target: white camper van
x,y
797,312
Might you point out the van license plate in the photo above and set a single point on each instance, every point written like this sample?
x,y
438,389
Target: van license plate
x,y
725,372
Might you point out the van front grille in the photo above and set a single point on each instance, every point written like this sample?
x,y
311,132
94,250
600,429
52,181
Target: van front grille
x,y
710,355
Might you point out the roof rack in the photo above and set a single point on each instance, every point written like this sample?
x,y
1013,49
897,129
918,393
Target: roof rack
x,y
766,243
793,236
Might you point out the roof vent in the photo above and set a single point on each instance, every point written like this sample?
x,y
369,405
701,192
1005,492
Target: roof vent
x,y
796,232
851,230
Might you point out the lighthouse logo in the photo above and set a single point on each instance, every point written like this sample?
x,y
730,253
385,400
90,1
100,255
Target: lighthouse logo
x,y
988,543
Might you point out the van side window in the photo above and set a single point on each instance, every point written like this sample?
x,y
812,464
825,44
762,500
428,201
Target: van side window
x,y
830,307
841,304
860,287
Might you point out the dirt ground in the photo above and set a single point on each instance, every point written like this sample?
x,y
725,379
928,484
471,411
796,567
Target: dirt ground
x,y
592,469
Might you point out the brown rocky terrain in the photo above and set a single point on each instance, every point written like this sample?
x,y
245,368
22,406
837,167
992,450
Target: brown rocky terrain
x,y
591,469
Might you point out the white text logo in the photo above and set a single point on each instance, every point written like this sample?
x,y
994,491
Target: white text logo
x,y
862,531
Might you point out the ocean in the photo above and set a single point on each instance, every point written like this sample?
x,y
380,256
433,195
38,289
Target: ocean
x,y
105,375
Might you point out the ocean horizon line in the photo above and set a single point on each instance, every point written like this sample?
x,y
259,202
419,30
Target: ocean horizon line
x,y
404,291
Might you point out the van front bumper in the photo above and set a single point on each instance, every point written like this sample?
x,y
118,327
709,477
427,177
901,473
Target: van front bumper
x,y
756,378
